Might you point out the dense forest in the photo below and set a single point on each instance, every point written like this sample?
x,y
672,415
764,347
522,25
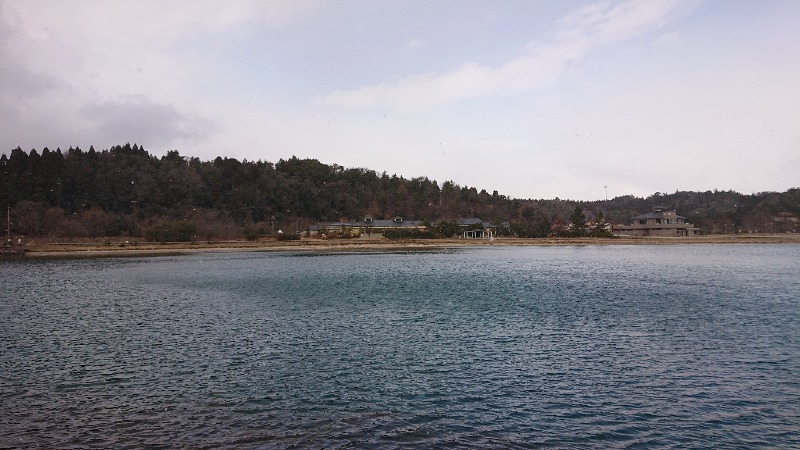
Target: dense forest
x,y
125,191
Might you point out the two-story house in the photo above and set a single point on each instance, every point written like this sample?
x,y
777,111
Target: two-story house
x,y
659,222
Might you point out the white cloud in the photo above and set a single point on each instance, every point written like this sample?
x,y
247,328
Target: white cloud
x,y
641,90
153,20
414,44
540,64
117,71
145,121
606,22
670,38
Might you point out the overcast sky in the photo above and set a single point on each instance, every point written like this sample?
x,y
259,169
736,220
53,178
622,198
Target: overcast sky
x,y
534,99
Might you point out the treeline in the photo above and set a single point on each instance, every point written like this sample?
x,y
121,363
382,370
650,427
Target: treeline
x,y
125,191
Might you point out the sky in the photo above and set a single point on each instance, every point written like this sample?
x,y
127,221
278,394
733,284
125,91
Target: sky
x,y
532,98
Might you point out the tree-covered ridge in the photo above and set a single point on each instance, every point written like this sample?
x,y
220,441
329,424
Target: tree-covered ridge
x,y
125,191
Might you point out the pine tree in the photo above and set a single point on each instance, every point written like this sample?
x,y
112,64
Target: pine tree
x,y
600,226
578,221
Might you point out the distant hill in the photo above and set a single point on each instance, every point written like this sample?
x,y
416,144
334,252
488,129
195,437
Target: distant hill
x,y
125,191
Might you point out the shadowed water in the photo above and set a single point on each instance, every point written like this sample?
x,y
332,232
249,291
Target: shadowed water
x,y
568,347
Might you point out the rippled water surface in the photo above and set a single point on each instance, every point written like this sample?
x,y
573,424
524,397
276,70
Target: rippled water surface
x,y
693,346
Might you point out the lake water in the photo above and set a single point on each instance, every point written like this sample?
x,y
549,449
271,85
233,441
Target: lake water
x,y
679,346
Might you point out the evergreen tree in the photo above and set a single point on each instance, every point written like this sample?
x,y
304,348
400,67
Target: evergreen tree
x,y
126,190
600,228
578,221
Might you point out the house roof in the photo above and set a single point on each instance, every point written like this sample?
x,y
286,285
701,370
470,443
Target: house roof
x,y
656,215
463,222
467,221
374,223
392,223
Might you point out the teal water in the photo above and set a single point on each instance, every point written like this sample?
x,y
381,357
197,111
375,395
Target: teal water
x,y
694,346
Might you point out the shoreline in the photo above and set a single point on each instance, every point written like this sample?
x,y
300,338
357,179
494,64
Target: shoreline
x,y
58,250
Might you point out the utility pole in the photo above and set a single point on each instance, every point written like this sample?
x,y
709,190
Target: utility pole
x,y
8,225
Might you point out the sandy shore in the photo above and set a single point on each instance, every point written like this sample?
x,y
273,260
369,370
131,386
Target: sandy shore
x,y
40,249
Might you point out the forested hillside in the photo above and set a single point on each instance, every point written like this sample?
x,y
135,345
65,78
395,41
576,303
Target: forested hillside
x,y
125,191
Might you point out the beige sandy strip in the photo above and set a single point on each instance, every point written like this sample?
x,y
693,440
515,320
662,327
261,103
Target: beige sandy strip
x,y
118,249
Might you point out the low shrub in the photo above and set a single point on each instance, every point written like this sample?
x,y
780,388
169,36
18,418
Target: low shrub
x,y
410,233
